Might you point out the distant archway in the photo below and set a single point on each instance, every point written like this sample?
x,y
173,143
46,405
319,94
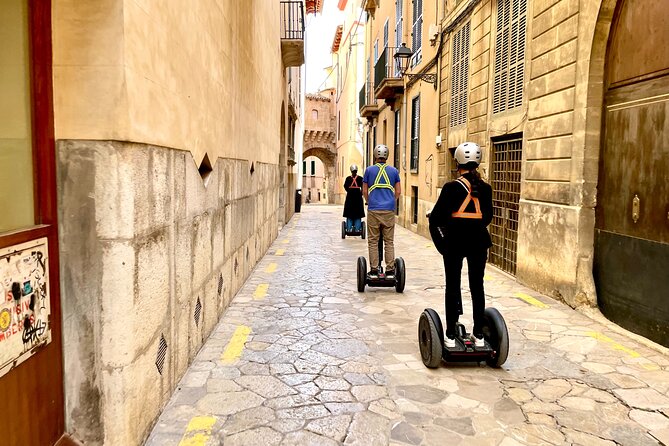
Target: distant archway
x,y
328,159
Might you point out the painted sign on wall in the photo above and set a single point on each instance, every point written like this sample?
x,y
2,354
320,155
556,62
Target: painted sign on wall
x,y
24,302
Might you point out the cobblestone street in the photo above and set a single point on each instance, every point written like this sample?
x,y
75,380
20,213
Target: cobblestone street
x,y
301,358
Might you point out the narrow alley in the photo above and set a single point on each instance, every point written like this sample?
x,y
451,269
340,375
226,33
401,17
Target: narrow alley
x,y
300,357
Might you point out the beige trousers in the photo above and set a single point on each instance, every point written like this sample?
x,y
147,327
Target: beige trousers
x,y
378,221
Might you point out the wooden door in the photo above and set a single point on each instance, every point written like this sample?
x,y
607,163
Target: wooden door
x,y
31,377
632,215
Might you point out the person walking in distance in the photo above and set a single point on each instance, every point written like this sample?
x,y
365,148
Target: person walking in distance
x,y
381,189
354,209
458,226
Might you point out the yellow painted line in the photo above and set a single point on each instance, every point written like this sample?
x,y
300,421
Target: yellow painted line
x,y
271,267
488,279
198,431
531,300
261,291
234,348
279,252
429,245
285,241
613,344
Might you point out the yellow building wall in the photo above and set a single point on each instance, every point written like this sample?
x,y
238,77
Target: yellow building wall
x,y
120,74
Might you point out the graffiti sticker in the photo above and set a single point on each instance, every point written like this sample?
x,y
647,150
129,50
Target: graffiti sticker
x,y
25,309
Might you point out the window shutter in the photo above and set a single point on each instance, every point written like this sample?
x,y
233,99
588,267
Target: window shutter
x,y
509,54
460,76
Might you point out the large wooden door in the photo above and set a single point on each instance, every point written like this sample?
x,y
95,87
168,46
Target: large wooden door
x,y
31,377
631,267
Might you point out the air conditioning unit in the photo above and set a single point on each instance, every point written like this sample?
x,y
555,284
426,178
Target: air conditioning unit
x,y
433,32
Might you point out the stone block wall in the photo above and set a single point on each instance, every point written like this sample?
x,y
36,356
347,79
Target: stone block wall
x,y
151,256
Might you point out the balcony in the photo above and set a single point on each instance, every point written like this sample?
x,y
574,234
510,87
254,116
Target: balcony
x,y
368,106
370,6
292,33
388,82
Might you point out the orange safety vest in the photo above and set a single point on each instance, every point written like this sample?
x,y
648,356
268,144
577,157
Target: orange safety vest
x,y
461,213
354,184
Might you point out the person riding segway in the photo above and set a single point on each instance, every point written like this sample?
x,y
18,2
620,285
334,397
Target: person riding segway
x,y
458,226
381,189
354,209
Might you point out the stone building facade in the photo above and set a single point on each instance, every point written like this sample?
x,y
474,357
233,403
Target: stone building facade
x,y
175,133
319,142
533,82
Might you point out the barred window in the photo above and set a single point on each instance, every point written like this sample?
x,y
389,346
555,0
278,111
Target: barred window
x,y
415,132
460,76
398,29
509,55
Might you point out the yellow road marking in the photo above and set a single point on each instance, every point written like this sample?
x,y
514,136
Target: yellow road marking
x,y
488,278
614,344
531,300
234,348
198,431
261,291
271,267
285,241
429,245
279,252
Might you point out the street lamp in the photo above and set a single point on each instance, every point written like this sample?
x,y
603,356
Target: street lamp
x,y
402,57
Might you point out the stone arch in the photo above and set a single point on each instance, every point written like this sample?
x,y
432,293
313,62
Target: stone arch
x,y
328,159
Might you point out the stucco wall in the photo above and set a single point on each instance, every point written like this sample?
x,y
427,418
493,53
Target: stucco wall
x,y
142,242
197,78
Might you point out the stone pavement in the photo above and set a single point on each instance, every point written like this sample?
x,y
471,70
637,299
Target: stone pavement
x,y
301,358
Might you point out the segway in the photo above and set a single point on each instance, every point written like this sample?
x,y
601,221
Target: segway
x,y
382,280
433,349
353,233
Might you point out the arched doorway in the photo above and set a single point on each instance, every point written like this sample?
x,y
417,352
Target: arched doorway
x,y
632,215
328,159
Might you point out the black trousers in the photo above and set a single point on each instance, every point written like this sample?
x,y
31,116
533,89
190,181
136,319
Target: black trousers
x,y
476,260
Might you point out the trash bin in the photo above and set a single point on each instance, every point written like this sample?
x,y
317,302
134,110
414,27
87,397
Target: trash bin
x,y
298,200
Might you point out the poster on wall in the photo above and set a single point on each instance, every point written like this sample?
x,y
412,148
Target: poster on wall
x,y
25,309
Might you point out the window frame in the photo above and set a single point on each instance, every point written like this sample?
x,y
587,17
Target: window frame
x,y
415,134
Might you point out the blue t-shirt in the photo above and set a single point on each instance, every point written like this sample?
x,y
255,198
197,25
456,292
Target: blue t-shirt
x,y
381,198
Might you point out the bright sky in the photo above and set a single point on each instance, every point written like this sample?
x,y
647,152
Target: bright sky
x,y
320,33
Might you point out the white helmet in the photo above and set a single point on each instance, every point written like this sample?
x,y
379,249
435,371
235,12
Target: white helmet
x,y
381,151
467,152
353,168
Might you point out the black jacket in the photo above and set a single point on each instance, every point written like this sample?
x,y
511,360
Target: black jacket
x,y
461,234
354,207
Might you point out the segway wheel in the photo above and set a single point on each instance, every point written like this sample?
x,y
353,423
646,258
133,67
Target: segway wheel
x,y
362,274
430,338
400,275
497,335
364,230
343,229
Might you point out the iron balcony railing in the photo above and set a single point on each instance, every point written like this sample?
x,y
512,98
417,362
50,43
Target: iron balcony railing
x,y
366,95
385,67
292,20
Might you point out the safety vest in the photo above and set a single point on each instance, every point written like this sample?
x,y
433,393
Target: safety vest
x,y
461,213
354,184
381,175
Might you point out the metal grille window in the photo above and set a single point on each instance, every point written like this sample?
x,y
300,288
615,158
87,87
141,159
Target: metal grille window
x,y
417,32
396,154
385,34
460,76
415,132
506,164
509,55
398,29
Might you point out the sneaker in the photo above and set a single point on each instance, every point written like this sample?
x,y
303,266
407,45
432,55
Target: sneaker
x,y
449,342
373,274
390,273
478,342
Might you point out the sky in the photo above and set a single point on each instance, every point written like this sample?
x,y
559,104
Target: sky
x,y
320,32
